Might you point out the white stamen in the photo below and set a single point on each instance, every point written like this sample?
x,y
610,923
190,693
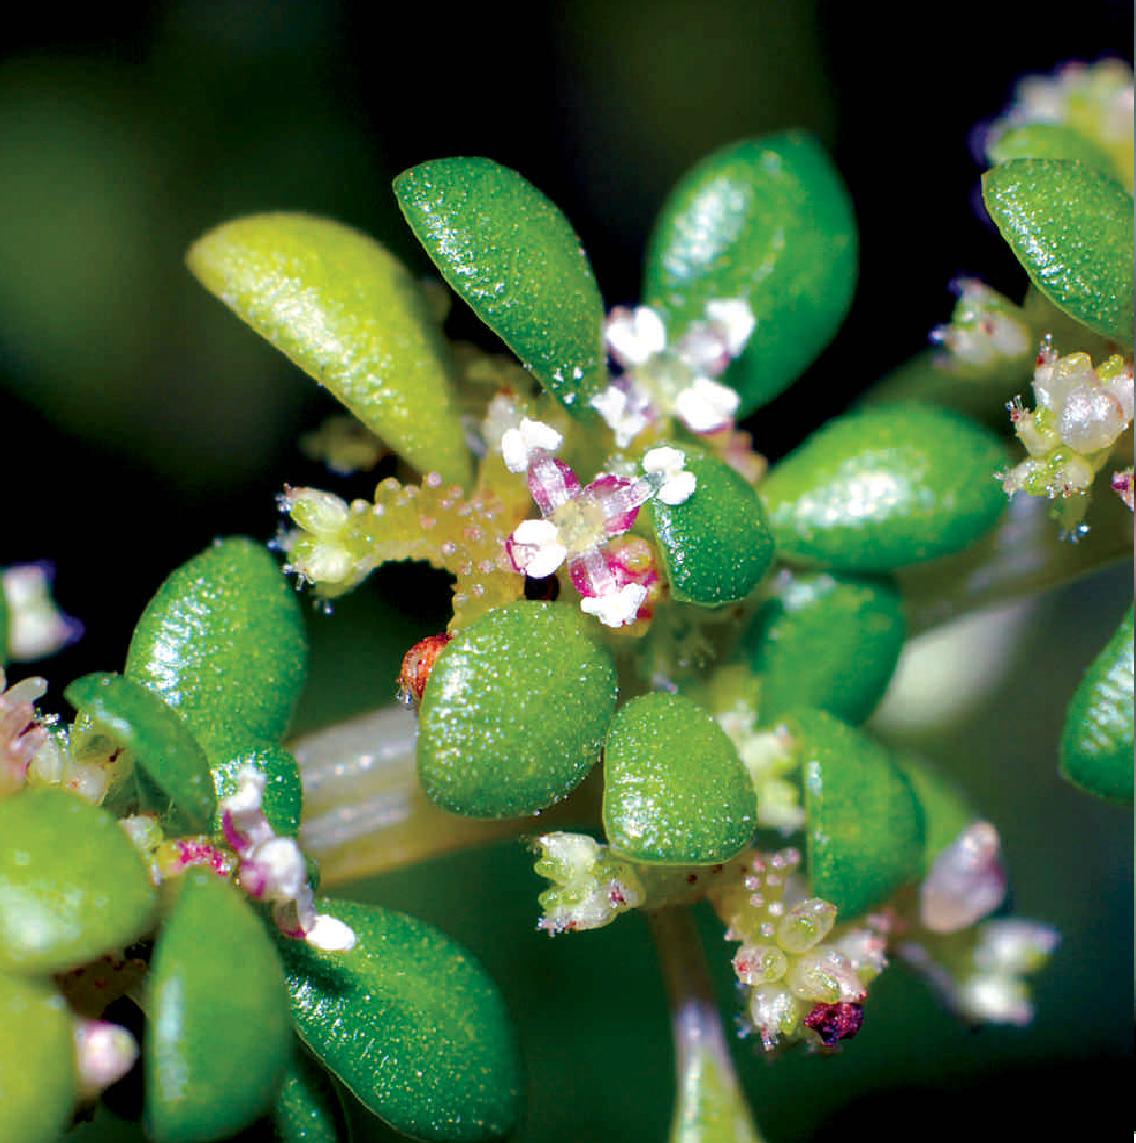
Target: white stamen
x,y
705,406
623,410
677,485
634,336
536,548
528,437
734,319
329,934
617,609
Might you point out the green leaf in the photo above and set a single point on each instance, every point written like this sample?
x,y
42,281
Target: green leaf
x,y
767,220
515,259
37,1061
675,791
308,1108
138,721
716,546
1048,141
283,793
72,886
223,643
865,833
219,1039
515,712
946,810
885,487
411,1023
1096,746
1070,226
349,314
825,641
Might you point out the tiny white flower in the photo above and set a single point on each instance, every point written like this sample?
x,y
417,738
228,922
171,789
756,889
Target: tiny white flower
x,y
330,934
677,484
616,609
705,406
624,411
536,548
966,882
634,336
528,437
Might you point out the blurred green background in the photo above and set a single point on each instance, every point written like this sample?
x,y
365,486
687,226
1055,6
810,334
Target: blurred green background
x,y
139,419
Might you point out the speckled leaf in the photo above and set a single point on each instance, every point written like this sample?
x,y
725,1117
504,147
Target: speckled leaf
x,y
515,712
826,641
885,487
510,253
72,886
716,546
946,811
411,1023
283,793
218,1038
1071,228
865,830
223,643
768,220
137,720
1096,747
37,1061
675,791
308,1108
348,313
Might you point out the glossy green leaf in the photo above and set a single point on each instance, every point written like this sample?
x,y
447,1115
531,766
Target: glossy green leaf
x,y
37,1061
411,1023
675,791
223,643
72,886
1096,746
283,793
716,546
219,1040
946,810
138,721
510,253
865,832
348,313
515,712
826,641
885,487
768,220
308,1108
1048,141
1071,228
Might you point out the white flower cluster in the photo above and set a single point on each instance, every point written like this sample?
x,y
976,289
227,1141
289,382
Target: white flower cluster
x,y
985,328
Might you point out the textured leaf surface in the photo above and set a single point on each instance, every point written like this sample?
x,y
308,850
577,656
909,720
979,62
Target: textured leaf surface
x,y
885,487
1096,747
717,545
865,832
675,791
223,643
825,641
348,313
515,259
72,886
515,712
411,1023
1071,228
137,720
308,1108
219,1038
768,220
37,1061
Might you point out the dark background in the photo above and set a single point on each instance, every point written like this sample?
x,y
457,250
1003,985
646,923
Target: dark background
x,y
138,419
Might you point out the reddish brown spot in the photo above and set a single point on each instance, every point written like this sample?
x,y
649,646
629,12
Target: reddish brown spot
x,y
692,878
836,1022
417,664
615,896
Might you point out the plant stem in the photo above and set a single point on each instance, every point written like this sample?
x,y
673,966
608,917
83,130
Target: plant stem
x,y
709,1107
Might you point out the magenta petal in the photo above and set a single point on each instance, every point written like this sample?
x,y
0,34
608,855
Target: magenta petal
x,y
551,482
591,574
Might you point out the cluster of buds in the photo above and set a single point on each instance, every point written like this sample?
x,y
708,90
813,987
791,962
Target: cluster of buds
x,y
772,762
985,328
579,522
805,979
590,887
1080,414
660,380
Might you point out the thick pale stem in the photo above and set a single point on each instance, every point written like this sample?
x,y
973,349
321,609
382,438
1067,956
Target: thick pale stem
x,y
709,1106
1021,557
